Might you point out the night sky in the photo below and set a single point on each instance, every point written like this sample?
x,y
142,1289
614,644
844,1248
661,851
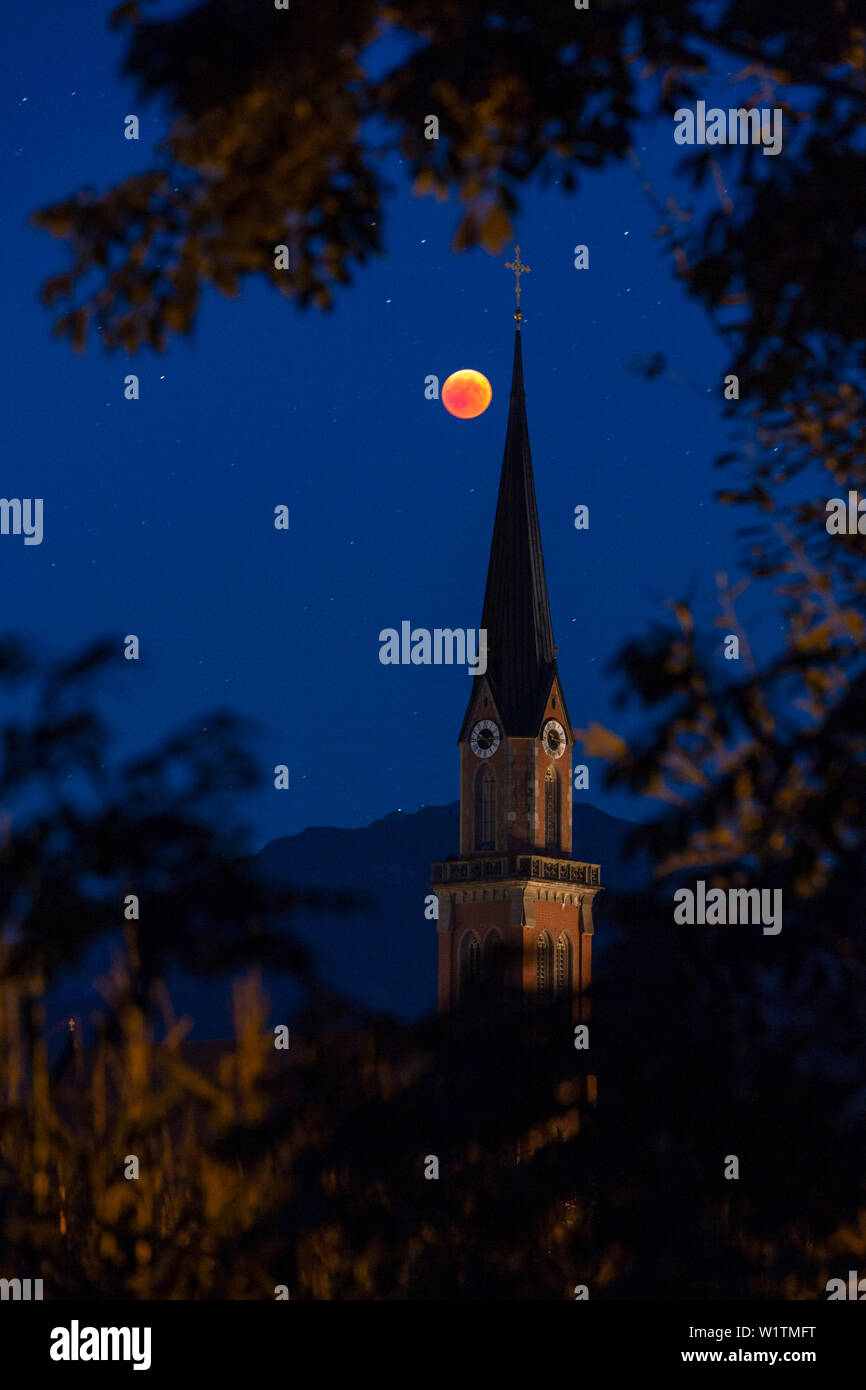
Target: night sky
x,y
159,513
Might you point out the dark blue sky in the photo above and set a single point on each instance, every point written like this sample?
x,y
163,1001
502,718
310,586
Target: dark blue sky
x,y
159,513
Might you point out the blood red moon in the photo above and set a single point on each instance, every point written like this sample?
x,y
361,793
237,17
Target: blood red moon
x,y
466,393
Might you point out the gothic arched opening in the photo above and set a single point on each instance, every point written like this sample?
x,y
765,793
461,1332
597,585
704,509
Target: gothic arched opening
x,y
470,967
543,966
552,799
564,966
485,810
494,967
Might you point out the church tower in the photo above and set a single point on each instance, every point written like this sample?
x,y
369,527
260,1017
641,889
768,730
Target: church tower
x,y
515,910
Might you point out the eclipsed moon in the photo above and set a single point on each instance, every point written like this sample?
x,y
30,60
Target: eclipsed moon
x,y
466,394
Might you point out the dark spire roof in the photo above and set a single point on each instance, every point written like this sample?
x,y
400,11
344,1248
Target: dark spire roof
x,y
521,654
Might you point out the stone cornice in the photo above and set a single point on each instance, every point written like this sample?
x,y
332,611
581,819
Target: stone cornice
x,y
498,868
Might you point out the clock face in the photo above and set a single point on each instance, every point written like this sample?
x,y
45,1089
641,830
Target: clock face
x,y
484,739
553,738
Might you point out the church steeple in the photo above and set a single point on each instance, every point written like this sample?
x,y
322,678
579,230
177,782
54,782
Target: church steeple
x,y
514,908
516,615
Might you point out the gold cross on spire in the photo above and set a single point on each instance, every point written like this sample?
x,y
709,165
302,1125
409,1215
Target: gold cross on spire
x,y
519,269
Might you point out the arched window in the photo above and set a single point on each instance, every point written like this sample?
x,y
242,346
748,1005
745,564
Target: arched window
x,y
485,809
551,809
543,954
470,967
563,966
494,967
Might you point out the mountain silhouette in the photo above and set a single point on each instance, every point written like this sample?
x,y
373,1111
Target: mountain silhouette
x,y
384,953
